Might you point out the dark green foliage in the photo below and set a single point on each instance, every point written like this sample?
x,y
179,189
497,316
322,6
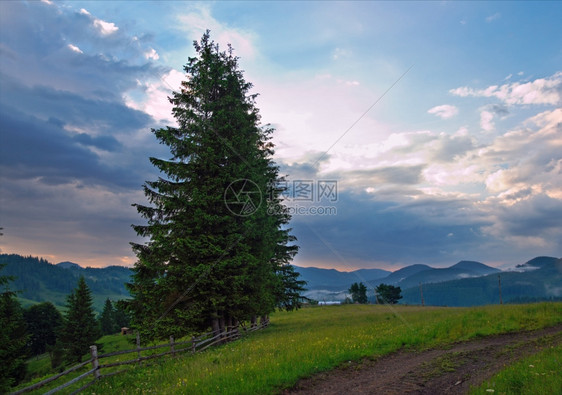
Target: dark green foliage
x,y
107,323
358,293
289,295
43,322
388,294
80,329
56,354
121,316
205,264
113,317
13,337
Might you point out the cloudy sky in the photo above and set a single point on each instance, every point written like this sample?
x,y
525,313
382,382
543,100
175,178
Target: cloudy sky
x,y
441,123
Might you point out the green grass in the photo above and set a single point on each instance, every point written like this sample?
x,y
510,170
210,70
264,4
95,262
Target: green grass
x,y
538,374
299,344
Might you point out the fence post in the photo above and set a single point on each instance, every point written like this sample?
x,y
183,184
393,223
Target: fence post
x,y
172,349
138,346
193,344
95,361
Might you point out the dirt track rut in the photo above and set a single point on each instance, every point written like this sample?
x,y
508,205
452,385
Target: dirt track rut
x,y
451,370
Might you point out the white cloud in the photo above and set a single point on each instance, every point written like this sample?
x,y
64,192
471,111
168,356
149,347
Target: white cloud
x,y
152,54
74,48
444,111
199,19
105,28
492,18
340,53
154,96
47,2
487,121
539,91
83,11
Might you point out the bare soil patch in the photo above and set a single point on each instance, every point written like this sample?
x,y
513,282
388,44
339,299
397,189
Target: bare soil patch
x,y
453,369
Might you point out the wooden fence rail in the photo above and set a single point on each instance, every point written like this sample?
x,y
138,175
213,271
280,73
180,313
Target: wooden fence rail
x,y
196,344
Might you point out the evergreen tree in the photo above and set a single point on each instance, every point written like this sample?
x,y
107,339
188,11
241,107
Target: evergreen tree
x,y
388,294
80,329
121,316
107,323
13,337
43,322
215,255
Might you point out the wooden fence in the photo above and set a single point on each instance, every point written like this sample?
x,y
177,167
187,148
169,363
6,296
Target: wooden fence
x,y
196,344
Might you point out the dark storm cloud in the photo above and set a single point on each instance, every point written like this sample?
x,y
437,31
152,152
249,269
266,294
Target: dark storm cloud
x,y
540,216
95,115
36,149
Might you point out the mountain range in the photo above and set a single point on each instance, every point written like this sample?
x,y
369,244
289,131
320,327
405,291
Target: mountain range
x,y
323,284
465,283
535,280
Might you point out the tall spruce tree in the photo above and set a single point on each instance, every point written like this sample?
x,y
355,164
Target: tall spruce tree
x,y
217,252
80,329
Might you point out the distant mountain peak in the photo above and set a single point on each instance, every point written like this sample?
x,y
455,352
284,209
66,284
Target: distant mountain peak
x,y
478,267
539,261
69,265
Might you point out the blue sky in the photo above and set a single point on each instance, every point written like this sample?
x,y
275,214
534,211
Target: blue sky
x,y
460,159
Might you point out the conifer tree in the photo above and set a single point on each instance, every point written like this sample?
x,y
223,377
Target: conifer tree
x,y
80,329
215,254
108,326
43,322
13,337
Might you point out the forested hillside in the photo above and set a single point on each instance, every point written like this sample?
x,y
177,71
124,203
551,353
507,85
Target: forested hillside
x,y
38,280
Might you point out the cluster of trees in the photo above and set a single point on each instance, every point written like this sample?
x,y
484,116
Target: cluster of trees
x,y
358,293
42,328
113,317
219,243
390,294
384,293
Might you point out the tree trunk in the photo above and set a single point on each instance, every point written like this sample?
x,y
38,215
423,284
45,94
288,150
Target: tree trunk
x,y
222,328
215,326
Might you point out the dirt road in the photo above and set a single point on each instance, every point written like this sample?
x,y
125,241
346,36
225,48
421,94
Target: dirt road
x,y
451,370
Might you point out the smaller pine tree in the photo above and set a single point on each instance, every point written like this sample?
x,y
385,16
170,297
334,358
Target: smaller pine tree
x,y
80,329
107,319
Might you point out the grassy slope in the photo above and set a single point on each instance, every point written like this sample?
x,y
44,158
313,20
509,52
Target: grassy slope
x,y
301,343
537,374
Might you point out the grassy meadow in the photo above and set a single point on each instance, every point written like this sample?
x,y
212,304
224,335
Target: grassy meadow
x,y
301,343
